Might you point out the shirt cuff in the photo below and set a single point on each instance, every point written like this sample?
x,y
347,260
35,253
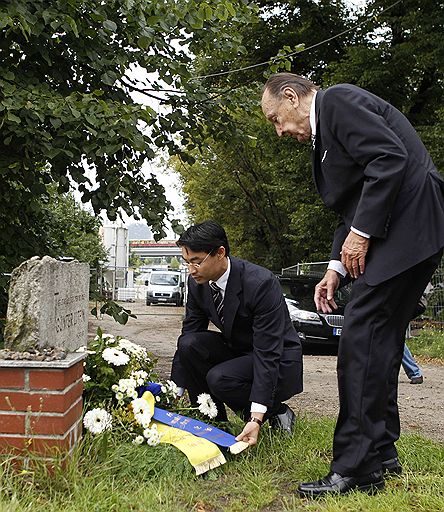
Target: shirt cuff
x,y
255,407
338,267
180,391
358,232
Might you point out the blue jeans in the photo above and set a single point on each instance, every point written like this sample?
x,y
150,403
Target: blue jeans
x,y
409,364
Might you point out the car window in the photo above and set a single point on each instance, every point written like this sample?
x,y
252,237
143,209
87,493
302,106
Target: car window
x,y
164,279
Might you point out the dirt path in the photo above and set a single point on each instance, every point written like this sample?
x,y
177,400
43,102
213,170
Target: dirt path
x,y
421,406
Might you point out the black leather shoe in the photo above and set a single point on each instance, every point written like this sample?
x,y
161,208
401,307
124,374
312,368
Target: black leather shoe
x,y
334,483
417,380
284,421
392,466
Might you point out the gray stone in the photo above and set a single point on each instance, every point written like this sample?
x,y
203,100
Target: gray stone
x,y
48,306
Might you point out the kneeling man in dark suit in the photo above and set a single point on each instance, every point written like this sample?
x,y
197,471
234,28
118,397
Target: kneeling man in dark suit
x,y
255,362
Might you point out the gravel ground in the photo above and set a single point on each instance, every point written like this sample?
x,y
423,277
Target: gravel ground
x,y
421,406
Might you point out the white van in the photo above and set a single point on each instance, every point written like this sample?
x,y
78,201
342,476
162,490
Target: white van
x,y
165,287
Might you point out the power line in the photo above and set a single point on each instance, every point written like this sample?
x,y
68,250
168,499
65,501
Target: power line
x,y
272,60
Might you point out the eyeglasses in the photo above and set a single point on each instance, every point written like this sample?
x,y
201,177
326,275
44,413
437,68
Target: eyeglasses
x,y
196,265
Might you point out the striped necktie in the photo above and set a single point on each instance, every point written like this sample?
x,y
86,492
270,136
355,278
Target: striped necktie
x,y
218,299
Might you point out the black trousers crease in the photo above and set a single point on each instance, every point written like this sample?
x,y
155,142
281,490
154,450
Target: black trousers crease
x,y
369,359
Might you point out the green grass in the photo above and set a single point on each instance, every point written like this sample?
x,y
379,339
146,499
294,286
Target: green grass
x,y
428,342
131,478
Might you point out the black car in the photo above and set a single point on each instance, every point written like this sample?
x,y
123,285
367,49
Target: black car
x,y
316,330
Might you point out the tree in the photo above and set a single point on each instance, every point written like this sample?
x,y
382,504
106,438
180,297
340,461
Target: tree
x,y
174,263
67,114
260,188
66,79
403,62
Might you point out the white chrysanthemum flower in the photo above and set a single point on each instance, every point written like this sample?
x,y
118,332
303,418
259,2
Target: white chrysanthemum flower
x,y
140,376
157,398
172,388
163,389
115,388
119,396
140,406
152,435
97,421
141,412
115,357
127,385
107,338
132,348
206,405
154,440
138,440
85,377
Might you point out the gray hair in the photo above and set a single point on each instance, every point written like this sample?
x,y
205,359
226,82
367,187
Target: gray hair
x,y
277,83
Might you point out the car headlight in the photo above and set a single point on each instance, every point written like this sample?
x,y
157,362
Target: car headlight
x,y
304,316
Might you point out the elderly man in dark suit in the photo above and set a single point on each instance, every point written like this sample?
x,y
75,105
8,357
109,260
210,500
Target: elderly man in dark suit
x,y
369,166
255,362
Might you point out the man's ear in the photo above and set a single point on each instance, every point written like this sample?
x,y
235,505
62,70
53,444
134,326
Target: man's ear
x,y
290,94
221,252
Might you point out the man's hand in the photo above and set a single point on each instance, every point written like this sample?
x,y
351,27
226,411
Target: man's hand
x,y
353,254
249,434
325,290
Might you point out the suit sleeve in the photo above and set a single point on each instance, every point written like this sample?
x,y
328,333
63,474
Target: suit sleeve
x,y
195,321
357,120
340,235
268,340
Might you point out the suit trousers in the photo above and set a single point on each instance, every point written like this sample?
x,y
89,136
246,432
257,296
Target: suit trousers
x,y
369,359
212,366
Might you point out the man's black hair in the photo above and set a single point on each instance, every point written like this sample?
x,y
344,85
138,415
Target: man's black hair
x,y
207,237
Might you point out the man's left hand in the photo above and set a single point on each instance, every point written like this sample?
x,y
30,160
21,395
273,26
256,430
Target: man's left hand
x,y
353,254
249,434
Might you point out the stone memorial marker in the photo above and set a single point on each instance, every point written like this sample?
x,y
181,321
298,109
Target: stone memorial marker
x,y
48,305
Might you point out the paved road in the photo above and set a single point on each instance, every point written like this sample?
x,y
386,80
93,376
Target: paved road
x,y
421,406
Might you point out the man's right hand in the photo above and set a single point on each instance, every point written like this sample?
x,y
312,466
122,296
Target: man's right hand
x,y
325,290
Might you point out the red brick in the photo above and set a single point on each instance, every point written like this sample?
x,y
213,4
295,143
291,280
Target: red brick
x,y
12,423
12,377
13,445
40,402
43,446
57,379
55,425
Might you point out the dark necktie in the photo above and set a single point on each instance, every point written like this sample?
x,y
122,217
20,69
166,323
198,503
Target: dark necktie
x,y
216,292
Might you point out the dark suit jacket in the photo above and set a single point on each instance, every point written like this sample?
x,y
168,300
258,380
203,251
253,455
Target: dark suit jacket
x,y
256,320
370,166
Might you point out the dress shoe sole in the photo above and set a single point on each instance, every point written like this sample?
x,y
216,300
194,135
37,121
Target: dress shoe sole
x,y
369,489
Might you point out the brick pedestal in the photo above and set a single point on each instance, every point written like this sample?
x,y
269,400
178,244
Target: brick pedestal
x,y
41,406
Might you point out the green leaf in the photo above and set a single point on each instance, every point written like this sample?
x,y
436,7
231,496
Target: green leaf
x,y
110,25
14,118
108,78
56,122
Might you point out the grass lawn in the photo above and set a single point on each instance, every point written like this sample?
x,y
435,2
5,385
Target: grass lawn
x,y
129,478
428,342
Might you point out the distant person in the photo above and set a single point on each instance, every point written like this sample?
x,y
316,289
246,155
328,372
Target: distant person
x,y
255,362
411,367
371,168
